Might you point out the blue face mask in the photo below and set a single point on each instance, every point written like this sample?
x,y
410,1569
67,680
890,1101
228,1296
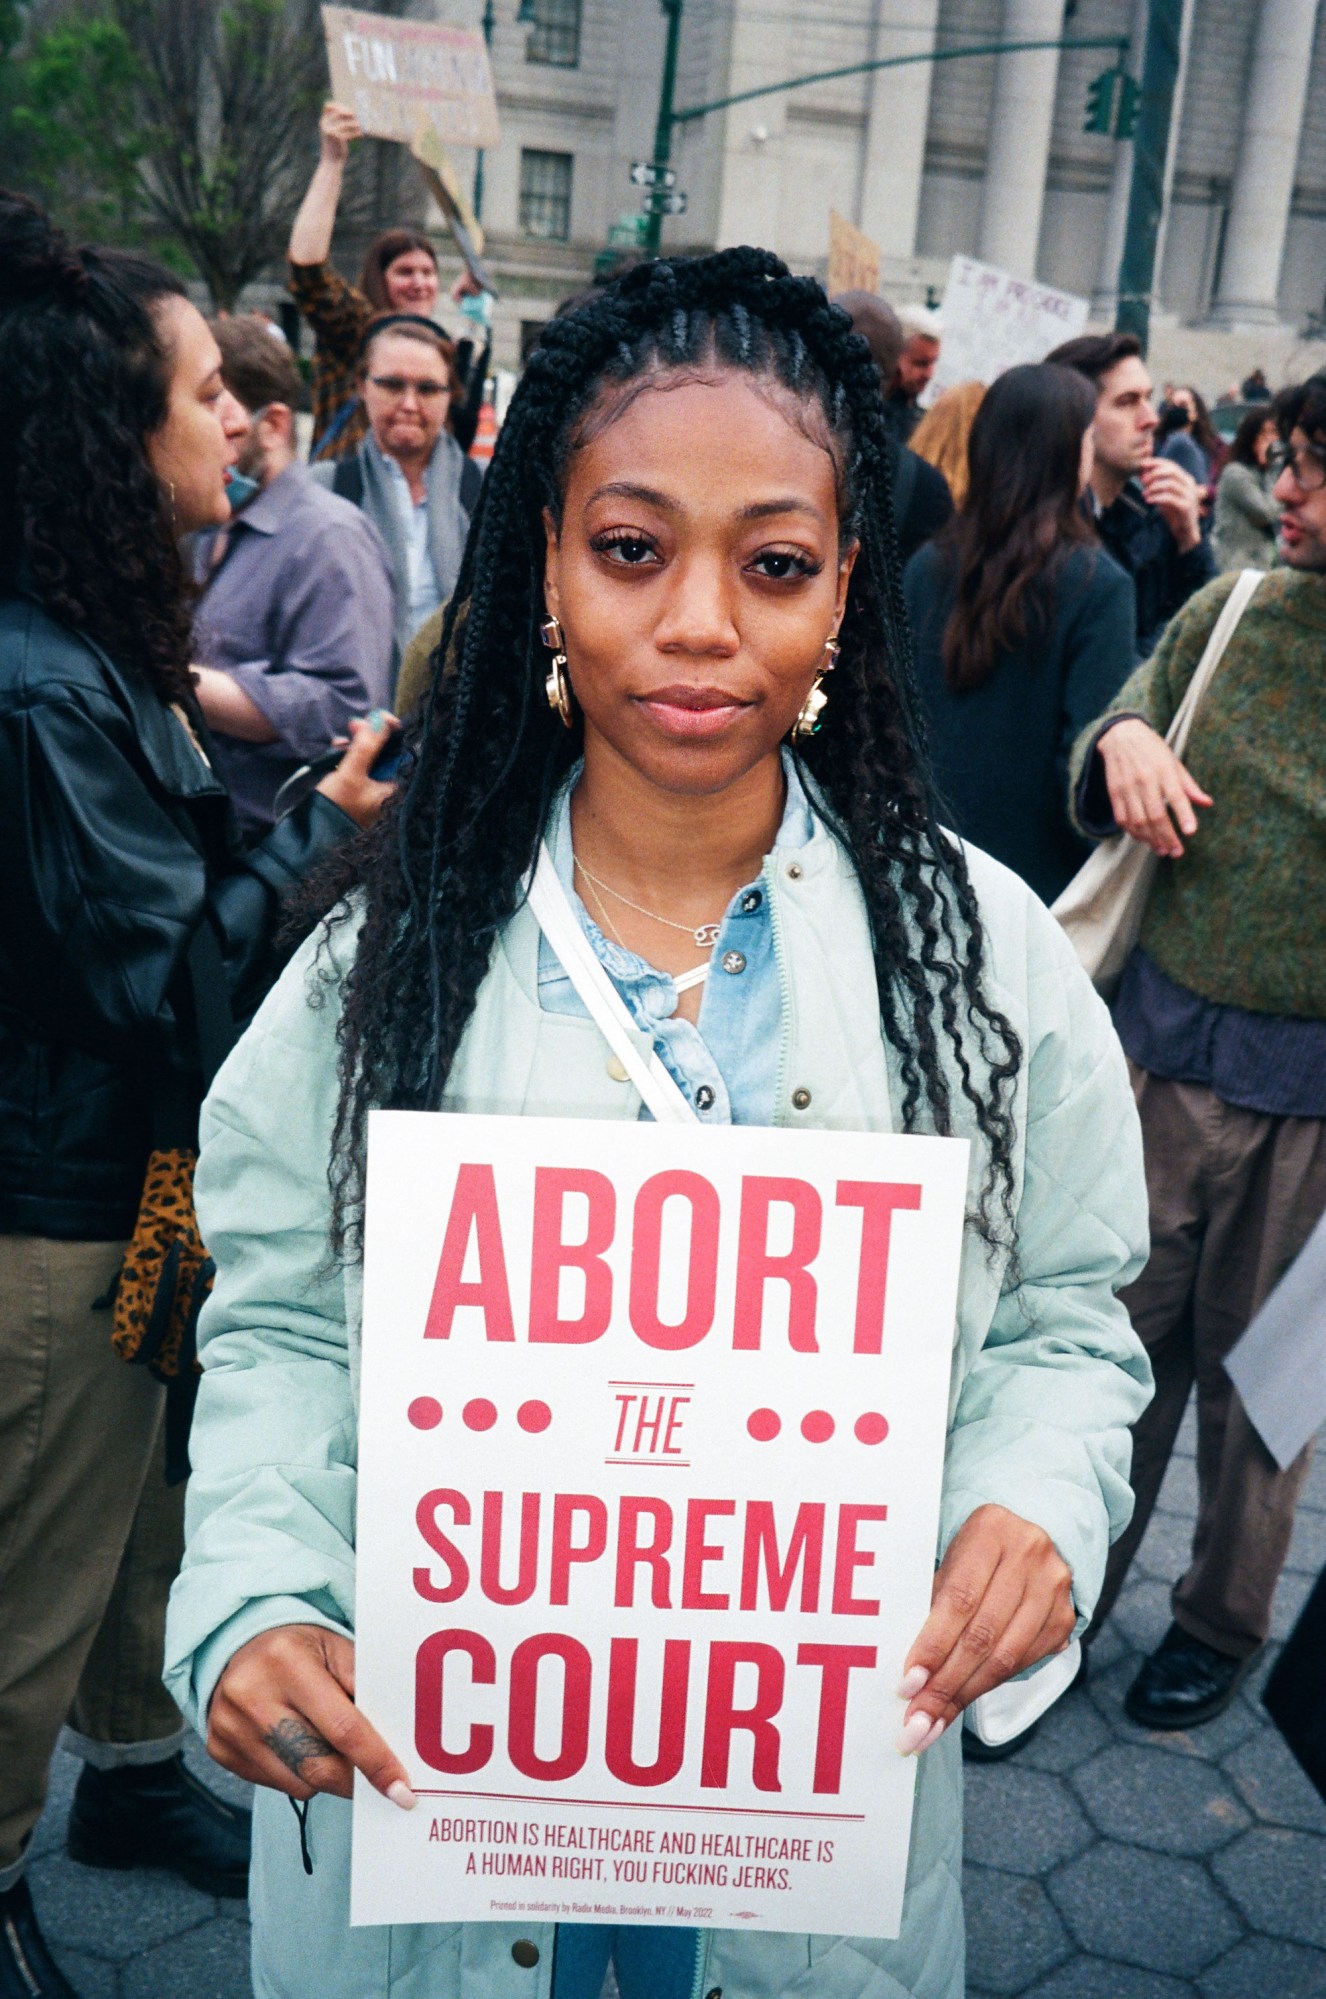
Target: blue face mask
x,y
240,489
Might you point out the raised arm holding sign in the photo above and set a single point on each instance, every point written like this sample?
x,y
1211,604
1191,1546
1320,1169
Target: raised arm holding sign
x,y
644,1440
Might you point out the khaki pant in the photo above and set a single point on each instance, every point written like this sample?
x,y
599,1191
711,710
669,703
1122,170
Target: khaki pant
x,y
1234,1195
90,1534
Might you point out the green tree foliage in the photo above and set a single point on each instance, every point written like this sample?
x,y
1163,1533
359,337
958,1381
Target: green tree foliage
x,y
189,122
66,125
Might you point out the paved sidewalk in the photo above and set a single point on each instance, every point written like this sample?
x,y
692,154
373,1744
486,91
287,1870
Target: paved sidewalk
x,y
1103,1862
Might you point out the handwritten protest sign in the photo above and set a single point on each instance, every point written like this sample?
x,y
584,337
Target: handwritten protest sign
x,y
853,258
651,1441
389,71
993,321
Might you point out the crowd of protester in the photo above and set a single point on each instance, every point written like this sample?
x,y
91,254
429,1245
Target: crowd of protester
x,y
190,616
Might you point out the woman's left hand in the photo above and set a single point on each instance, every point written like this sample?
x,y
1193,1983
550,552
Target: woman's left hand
x,y
1002,1600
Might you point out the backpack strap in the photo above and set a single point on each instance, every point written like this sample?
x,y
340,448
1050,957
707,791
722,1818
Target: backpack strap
x,y
348,480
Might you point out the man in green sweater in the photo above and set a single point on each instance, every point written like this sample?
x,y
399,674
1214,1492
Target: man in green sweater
x,y
1222,1013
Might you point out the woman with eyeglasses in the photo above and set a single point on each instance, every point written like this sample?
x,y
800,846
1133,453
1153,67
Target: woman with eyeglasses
x,y
409,475
399,275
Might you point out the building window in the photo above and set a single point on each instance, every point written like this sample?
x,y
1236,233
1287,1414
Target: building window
x,y
555,36
545,194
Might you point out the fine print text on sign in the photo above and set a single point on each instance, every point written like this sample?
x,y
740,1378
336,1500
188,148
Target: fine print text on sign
x,y
389,72
993,321
651,1442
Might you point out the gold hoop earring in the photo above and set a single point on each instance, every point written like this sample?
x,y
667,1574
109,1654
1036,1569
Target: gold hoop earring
x,y
807,723
557,686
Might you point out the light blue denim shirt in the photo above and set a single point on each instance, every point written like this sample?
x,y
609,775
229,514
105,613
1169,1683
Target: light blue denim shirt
x,y
727,1062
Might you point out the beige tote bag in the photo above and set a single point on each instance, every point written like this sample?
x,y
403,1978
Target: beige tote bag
x,y
1102,907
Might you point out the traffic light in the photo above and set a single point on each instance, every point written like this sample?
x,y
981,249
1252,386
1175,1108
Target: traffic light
x,y
1125,117
1100,102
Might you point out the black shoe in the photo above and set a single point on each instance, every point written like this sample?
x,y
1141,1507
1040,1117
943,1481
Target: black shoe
x,y
27,1969
1184,1683
159,1815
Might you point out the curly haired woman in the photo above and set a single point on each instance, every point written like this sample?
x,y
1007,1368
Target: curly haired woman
x,y
692,484
122,864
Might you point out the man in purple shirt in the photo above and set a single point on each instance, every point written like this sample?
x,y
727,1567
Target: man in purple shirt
x,y
293,633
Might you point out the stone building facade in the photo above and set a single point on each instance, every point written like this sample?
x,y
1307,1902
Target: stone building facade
x,y
985,155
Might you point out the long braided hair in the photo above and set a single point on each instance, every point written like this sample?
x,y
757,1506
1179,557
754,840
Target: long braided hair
x,y
441,873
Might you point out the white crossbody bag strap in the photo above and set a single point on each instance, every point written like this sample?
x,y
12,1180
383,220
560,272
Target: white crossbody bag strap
x,y
1222,632
560,925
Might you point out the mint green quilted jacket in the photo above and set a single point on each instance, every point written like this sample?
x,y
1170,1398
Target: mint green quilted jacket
x,y
1047,1376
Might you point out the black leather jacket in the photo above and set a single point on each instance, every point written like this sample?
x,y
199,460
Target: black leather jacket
x,y
116,842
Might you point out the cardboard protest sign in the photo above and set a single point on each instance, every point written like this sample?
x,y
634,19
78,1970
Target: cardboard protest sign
x,y
389,71
853,258
650,1449
993,321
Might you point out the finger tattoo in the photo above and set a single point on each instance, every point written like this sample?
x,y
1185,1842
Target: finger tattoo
x,y
294,1743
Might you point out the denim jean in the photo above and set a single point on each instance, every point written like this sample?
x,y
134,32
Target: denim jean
x,y
650,1963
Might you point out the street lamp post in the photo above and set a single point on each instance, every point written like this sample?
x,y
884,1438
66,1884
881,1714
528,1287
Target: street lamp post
x,y
1146,198
663,132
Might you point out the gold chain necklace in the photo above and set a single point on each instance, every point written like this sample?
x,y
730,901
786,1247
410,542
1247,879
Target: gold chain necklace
x,y
705,935
681,980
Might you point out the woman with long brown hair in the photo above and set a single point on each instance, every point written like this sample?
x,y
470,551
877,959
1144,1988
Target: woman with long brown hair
x,y
1022,624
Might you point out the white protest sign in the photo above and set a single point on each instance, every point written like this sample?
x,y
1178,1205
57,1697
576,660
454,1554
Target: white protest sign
x,y
389,72
650,1450
993,321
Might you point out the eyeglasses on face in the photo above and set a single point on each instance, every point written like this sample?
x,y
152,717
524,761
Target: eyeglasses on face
x,y
1307,464
400,385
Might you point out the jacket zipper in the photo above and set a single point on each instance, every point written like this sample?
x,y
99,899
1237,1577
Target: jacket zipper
x,y
697,1987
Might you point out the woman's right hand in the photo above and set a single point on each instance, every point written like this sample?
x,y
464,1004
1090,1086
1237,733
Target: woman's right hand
x,y
360,796
1150,790
283,1715
338,127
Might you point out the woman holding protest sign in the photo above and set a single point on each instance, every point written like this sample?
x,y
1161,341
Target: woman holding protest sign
x,y
765,882
399,276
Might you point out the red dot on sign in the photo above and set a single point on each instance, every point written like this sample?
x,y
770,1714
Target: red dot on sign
x,y
534,1416
424,1412
817,1426
479,1414
871,1428
764,1425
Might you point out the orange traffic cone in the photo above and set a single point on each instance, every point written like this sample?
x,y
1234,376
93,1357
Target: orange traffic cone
x,y
485,437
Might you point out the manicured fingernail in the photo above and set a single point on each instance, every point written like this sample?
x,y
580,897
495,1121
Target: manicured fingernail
x,y
914,1733
377,719
912,1682
401,1794
932,1737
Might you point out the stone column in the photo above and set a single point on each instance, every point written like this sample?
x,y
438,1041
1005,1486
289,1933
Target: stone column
x,y
1019,150
897,115
753,164
1264,177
